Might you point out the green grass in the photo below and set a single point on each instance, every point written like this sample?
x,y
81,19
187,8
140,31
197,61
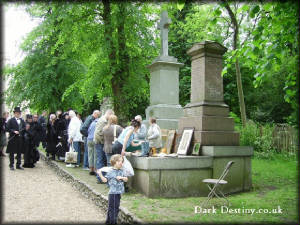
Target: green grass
x,y
274,182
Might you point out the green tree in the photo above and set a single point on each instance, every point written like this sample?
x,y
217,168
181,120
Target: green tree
x,y
257,47
274,49
189,25
86,62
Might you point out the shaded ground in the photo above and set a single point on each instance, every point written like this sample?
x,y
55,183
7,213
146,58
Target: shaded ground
x,y
39,195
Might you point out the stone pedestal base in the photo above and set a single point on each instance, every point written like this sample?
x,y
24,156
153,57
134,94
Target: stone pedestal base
x,y
239,177
164,92
166,115
211,122
182,176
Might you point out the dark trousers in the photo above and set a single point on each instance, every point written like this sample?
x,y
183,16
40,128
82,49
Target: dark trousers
x,y
52,155
12,159
113,208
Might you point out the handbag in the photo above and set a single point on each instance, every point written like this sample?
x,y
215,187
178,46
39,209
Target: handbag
x,y
71,155
127,168
115,134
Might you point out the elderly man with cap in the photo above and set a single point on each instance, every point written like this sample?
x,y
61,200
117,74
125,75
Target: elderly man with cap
x,y
15,127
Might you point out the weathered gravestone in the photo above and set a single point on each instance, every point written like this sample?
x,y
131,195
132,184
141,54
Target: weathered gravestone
x,y
164,83
209,115
207,112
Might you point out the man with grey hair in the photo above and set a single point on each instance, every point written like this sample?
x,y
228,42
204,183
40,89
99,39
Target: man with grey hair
x,y
84,131
99,140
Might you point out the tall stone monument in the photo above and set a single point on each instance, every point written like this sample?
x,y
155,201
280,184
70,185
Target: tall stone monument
x,y
207,112
182,176
164,83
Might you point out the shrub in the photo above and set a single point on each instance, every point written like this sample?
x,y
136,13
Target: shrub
x,y
259,137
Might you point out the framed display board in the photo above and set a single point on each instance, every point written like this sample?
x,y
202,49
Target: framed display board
x,y
185,141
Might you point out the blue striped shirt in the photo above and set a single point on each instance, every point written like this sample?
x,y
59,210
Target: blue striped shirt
x,y
91,130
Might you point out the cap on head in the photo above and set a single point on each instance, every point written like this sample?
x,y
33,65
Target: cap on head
x,y
138,118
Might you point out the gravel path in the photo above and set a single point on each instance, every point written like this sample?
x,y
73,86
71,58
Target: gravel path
x,y
39,195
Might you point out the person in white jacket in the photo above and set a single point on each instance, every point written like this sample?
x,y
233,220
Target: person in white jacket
x,y
154,135
74,134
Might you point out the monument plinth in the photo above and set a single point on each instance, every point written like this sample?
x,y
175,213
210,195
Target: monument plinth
x,y
207,112
164,83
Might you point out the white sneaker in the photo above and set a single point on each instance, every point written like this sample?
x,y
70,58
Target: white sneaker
x,y
85,168
70,165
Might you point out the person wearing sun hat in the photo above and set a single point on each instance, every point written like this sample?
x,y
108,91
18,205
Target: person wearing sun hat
x,y
15,127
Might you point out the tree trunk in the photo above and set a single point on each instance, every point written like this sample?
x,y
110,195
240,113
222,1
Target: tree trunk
x,y
240,92
111,52
237,67
117,55
122,73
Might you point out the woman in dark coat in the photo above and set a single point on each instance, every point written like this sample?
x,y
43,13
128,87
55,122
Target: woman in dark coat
x,y
51,137
37,130
16,127
62,132
28,147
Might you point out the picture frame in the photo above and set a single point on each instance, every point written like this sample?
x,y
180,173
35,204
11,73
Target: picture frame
x,y
176,144
170,140
185,141
196,149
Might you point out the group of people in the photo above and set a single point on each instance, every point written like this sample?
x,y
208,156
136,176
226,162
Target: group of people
x,y
24,138
106,143
100,136
103,140
103,137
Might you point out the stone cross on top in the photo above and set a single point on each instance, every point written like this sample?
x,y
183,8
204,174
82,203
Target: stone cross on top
x,y
163,26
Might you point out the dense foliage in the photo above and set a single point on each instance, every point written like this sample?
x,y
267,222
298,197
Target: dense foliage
x,y
83,52
267,50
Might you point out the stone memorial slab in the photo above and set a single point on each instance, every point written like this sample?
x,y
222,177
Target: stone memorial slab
x,y
207,112
164,83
